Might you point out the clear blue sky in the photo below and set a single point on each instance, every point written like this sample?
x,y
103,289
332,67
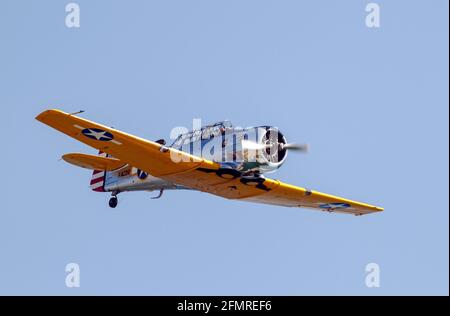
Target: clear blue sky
x,y
373,104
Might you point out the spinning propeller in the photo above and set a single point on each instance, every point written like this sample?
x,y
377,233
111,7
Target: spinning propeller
x,y
302,148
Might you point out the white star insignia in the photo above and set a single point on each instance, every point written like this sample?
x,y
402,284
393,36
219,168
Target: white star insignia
x,y
98,135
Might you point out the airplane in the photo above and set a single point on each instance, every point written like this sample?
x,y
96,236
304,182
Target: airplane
x,y
219,159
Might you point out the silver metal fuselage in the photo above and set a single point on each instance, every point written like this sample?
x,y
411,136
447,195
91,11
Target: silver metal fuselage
x,y
220,143
127,179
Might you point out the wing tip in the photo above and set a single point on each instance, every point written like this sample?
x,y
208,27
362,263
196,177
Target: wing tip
x,y
41,117
373,210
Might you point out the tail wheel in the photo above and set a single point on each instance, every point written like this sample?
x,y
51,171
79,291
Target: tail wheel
x,y
113,202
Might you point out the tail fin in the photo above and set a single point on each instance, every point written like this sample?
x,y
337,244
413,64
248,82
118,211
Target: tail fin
x,y
98,178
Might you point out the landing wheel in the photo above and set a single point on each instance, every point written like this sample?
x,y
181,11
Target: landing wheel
x,y
113,202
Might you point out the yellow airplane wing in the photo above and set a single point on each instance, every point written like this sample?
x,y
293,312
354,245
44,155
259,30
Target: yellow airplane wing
x,y
289,195
144,154
194,172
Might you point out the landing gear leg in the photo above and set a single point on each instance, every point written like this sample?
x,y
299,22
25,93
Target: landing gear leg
x,y
113,201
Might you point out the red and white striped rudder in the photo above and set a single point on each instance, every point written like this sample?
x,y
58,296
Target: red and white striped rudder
x,y
98,178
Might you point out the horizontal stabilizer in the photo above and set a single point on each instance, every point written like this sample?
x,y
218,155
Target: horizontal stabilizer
x,y
93,162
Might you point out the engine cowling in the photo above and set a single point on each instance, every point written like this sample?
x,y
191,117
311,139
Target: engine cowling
x,y
262,149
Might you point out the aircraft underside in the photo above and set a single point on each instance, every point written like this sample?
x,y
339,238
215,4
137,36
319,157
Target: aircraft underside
x,y
127,179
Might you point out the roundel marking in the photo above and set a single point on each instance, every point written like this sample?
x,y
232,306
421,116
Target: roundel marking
x,y
97,134
142,174
334,206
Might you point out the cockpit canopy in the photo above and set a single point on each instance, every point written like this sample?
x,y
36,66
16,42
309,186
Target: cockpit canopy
x,y
206,132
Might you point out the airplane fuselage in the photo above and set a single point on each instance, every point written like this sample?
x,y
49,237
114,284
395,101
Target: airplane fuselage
x,y
245,151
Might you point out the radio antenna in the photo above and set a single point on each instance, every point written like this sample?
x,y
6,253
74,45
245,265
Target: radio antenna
x,y
79,112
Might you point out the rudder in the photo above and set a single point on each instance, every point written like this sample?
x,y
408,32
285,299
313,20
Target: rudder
x,y
98,178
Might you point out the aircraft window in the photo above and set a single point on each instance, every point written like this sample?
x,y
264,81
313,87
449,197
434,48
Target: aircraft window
x,y
216,132
207,132
196,135
177,142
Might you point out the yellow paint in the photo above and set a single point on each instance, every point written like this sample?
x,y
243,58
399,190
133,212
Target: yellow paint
x,y
93,162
